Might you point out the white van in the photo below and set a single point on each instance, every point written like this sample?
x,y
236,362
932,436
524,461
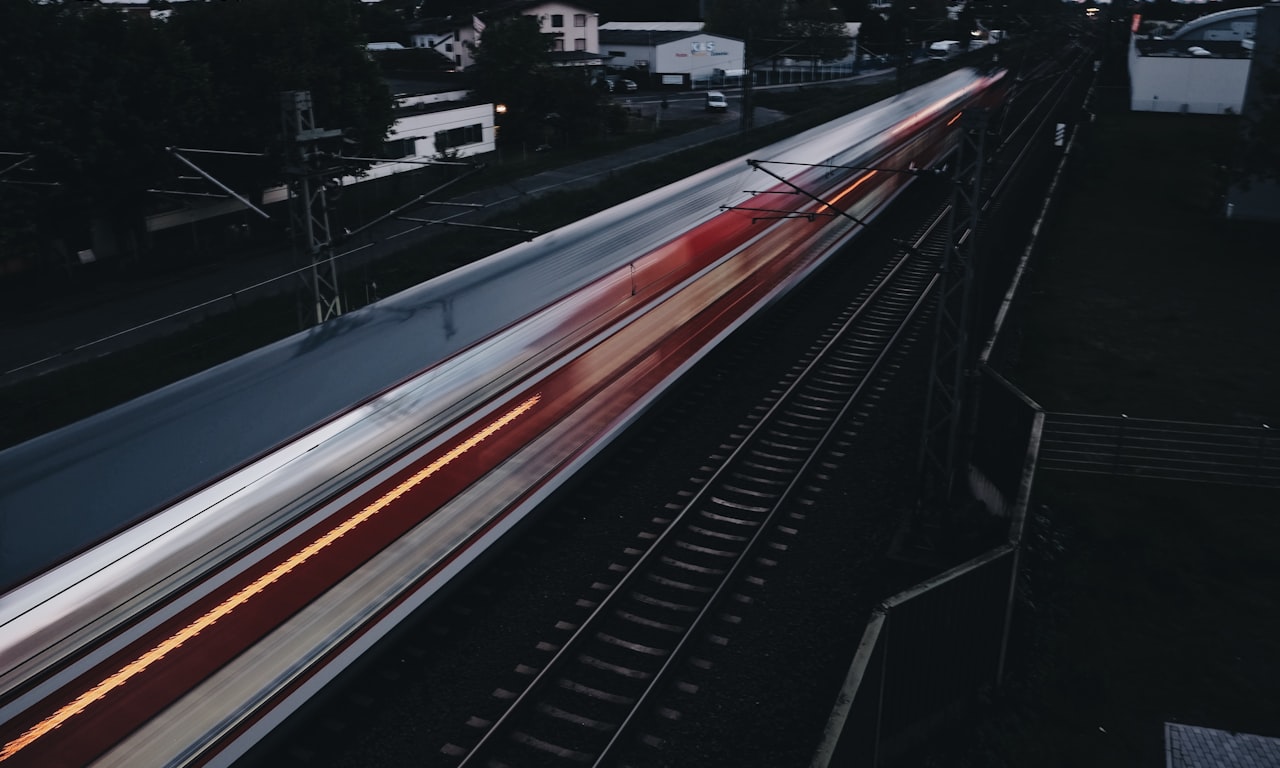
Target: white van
x,y
716,102
944,49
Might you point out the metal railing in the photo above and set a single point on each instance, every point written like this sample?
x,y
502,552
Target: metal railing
x,y
928,649
1166,450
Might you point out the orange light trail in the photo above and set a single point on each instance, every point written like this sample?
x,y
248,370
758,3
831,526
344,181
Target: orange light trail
x,y
952,120
850,188
140,664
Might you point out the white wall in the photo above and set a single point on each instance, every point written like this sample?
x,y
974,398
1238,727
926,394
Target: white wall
x,y
1200,85
569,32
632,54
420,127
698,56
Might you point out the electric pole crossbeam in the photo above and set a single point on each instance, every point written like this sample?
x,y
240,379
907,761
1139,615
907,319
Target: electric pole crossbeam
x,y
827,208
308,203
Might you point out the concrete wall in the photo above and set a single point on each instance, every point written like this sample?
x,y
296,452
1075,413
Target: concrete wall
x,y
1201,85
698,56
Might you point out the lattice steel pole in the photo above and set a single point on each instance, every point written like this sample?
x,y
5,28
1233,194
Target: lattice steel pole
x,y
308,206
945,446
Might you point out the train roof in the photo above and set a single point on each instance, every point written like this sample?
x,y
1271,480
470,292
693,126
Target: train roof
x,y
66,490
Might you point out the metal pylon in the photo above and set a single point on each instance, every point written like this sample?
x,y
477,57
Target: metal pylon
x,y
945,446
306,167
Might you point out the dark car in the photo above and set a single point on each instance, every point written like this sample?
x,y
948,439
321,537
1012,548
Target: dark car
x,y
616,84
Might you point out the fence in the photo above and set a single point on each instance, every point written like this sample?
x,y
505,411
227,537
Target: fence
x,y
928,649
1169,450
783,74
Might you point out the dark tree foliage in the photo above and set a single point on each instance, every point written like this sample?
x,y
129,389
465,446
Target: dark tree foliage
x,y
1260,149
512,67
412,62
257,49
99,96
96,97
771,28
653,10
816,30
383,22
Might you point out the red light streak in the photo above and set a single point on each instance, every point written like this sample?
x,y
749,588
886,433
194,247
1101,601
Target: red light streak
x,y
257,587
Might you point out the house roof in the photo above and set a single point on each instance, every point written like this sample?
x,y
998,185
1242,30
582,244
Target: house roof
x,y
569,58
652,26
1217,49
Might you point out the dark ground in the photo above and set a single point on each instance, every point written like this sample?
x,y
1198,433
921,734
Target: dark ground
x,y
1143,601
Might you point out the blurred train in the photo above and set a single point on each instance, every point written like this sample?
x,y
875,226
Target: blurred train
x,y
494,383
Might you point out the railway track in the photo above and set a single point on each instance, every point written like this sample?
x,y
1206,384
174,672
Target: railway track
x,y
603,677
610,680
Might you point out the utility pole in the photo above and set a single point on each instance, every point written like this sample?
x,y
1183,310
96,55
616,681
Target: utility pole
x,y
747,119
946,443
308,168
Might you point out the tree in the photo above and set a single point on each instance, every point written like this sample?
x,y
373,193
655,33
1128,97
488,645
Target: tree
x,y
1259,151
817,29
256,49
512,67
95,97
800,28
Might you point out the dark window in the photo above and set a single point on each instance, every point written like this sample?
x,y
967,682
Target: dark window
x,y
457,137
617,53
557,19
397,148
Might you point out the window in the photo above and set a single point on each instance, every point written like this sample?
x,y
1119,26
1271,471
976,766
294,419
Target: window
x,y
448,47
580,44
397,148
617,53
579,19
557,19
557,44
457,137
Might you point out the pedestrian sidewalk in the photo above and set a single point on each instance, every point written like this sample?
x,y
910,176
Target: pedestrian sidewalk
x,y
124,315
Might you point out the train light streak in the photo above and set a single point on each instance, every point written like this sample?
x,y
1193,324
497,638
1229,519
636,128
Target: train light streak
x,y
850,188
257,587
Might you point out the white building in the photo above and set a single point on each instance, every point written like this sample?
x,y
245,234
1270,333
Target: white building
x,y
573,29
1202,68
673,53
429,126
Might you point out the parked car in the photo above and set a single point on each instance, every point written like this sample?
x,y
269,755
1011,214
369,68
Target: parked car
x,y
716,102
616,84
